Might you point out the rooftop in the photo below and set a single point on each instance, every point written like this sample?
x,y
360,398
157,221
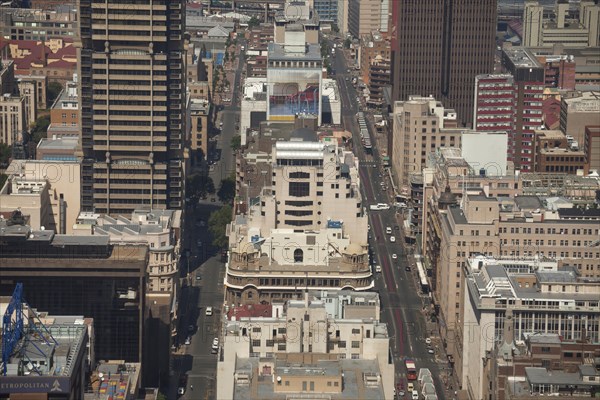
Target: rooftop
x,y
277,52
521,57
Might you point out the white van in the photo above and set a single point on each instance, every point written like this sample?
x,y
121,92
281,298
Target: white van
x,y
388,230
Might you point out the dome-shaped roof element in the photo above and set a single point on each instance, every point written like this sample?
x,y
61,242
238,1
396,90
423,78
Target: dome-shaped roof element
x,y
447,198
354,248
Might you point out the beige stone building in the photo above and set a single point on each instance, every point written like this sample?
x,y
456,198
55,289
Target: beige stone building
x,y
306,228
420,125
199,111
328,344
365,16
41,83
578,112
28,90
13,119
526,227
47,192
510,301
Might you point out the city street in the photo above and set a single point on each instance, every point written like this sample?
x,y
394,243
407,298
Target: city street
x,y
195,360
402,303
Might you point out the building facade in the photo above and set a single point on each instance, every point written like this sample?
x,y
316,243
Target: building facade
x,y
528,75
132,144
14,126
439,47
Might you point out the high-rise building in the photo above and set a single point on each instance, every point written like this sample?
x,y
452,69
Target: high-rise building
x,y
131,64
528,76
366,16
438,47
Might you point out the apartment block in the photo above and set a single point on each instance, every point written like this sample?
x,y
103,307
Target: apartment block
x,y
14,126
332,345
511,302
327,10
417,130
528,76
342,17
494,104
560,27
28,90
132,96
305,223
41,84
559,71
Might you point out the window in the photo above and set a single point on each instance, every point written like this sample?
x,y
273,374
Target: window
x,y
298,256
299,189
342,344
299,175
355,331
256,342
355,344
545,349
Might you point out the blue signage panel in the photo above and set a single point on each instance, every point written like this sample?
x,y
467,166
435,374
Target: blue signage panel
x,y
34,384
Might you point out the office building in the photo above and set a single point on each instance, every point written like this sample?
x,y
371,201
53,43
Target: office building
x,y
558,365
374,55
561,28
439,47
523,226
418,126
554,152
80,275
592,147
132,99
577,112
7,76
327,10
65,113
528,75
559,71
41,84
324,345
306,229
41,23
46,192
14,126
51,356
342,16
199,111
509,302
366,16
28,90
297,16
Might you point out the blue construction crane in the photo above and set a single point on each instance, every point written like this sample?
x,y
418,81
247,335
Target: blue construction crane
x,y
12,328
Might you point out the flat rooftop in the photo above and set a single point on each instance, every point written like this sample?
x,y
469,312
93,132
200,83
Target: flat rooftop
x,y
353,386
277,52
521,57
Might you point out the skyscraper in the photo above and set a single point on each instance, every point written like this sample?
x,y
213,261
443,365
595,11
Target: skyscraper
x,y
439,46
132,97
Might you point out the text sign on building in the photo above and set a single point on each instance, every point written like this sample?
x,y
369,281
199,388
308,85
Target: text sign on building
x,y
29,384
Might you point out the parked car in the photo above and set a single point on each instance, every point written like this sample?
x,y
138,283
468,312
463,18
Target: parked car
x,y
209,311
394,256
393,239
188,341
378,268
407,268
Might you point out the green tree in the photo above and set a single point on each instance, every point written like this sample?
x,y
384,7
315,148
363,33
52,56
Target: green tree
x,y
161,396
5,153
324,48
52,92
210,185
236,142
226,191
39,129
199,185
254,21
217,223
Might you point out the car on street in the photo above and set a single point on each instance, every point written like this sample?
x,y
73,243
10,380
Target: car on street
x,y
394,256
428,340
215,343
181,391
209,311
430,350
411,386
378,268
191,328
415,395
188,341
213,200
198,276
407,268
393,239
